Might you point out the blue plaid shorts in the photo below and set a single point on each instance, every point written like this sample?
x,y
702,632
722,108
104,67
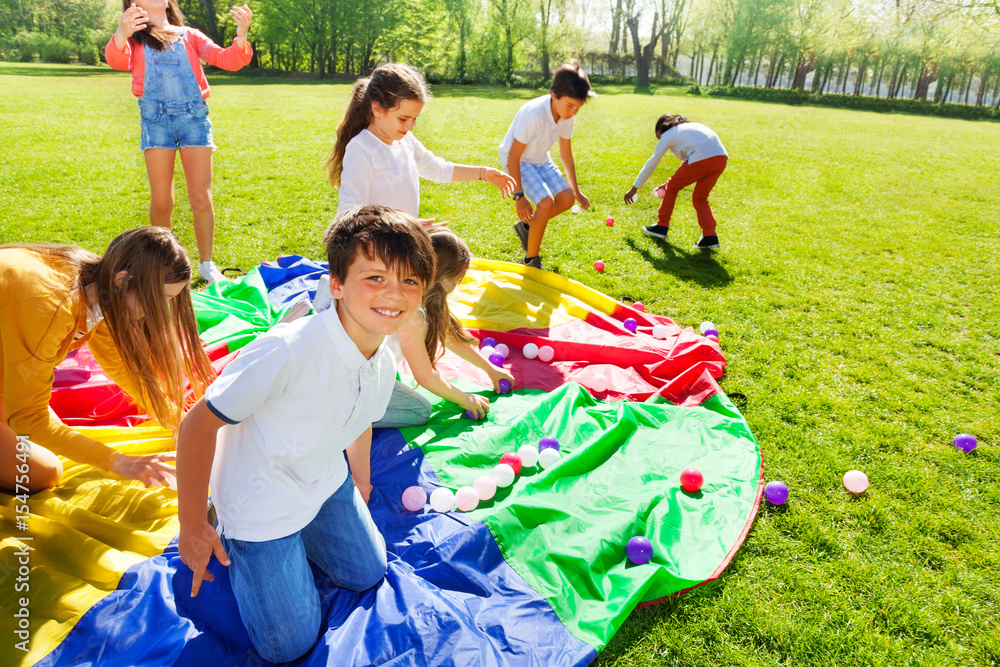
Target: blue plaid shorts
x,y
542,180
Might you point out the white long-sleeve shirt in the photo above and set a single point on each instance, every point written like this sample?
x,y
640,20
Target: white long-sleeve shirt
x,y
692,142
389,174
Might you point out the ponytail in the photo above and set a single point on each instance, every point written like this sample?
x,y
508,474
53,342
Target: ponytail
x,y
357,117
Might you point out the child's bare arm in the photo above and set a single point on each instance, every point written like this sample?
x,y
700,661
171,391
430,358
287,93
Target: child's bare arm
x,y
197,539
359,456
566,155
471,353
465,172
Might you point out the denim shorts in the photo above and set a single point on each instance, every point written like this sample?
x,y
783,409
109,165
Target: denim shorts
x,y
542,180
174,127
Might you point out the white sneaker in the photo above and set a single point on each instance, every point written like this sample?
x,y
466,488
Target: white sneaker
x,y
208,272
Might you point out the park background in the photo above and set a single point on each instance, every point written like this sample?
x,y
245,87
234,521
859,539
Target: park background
x,y
856,293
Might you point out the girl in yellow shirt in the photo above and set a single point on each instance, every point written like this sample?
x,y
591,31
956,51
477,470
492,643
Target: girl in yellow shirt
x,y
133,308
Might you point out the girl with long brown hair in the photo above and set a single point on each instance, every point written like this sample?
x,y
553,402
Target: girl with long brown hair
x,y
133,308
165,57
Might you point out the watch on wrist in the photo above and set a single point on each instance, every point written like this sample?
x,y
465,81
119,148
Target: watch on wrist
x,y
518,194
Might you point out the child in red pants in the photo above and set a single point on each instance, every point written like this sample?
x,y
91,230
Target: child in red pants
x,y
703,159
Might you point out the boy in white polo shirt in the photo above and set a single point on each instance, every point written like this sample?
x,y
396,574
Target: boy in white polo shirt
x,y
524,154
272,431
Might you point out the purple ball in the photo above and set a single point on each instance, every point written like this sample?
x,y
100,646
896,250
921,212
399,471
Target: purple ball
x,y
548,442
504,386
631,324
964,442
776,492
639,550
497,359
711,332
488,342
471,416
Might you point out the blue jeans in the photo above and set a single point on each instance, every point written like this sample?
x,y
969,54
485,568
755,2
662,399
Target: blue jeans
x,y
406,408
274,586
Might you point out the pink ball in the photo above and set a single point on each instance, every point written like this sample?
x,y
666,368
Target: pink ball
x,y
414,498
660,192
609,222
855,481
691,480
599,265
503,349
546,353
485,487
513,460
467,499
640,306
599,383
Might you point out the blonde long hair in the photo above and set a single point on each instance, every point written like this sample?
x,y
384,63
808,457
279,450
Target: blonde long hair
x,y
452,260
388,85
162,347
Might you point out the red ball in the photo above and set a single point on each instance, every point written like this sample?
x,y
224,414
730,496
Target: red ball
x,y
513,460
599,265
640,306
691,480
609,222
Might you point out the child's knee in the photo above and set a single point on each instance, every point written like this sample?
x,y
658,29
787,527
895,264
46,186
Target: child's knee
x,y
367,574
286,643
545,207
200,199
163,205
565,199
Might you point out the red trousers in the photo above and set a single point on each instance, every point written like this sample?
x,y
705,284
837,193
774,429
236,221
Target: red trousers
x,y
703,174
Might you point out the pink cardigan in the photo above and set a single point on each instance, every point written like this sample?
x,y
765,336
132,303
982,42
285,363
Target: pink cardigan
x,y
197,45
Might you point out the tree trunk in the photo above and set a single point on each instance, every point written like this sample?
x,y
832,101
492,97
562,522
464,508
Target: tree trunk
x,y
616,26
211,24
862,72
928,75
643,54
711,64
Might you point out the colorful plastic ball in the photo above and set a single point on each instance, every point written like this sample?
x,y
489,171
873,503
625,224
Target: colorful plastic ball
x,y
609,222
705,326
504,386
855,481
639,550
660,192
660,331
414,498
713,337
502,349
485,486
599,265
964,442
776,492
711,332
640,306
487,350
530,351
546,353
497,359
442,500
470,415
513,460
548,457
576,208
691,480
529,455
599,383
630,324
488,342
503,475
467,499
548,442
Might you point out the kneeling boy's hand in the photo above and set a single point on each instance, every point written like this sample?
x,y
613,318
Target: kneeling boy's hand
x,y
196,546
524,210
582,200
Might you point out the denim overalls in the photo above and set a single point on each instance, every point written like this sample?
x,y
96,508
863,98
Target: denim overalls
x,y
174,115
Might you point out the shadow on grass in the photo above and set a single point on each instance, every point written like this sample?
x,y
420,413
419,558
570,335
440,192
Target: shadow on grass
x,y
699,266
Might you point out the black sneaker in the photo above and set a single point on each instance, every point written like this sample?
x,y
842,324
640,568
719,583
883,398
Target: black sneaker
x,y
707,243
521,230
535,262
656,231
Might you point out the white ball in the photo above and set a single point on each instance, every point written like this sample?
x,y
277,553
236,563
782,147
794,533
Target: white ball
x,y
530,351
442,500
660,331
599,383
705,326
529,455
485,487
546,353
503,349
503,475
467,499
576,208
548,457
488,350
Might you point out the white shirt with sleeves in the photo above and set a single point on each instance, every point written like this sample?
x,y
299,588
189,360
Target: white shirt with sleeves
x,y
293,400
534,126
688,141
389,174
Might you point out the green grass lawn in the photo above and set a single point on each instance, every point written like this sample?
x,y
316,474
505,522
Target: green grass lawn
x,y
857,294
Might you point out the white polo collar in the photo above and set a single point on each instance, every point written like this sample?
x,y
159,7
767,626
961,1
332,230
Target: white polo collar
x,y
346,347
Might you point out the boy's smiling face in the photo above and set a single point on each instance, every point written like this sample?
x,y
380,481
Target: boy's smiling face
x,y
375,301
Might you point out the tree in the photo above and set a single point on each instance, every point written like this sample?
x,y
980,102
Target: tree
x,y
511,21
643,54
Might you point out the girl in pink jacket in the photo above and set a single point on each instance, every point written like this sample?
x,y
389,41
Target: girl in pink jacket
x,y
165,57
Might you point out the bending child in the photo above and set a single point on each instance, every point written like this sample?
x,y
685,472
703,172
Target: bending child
x,y
377,160
703,159
421,342
133,308
271,433
165,59
524,153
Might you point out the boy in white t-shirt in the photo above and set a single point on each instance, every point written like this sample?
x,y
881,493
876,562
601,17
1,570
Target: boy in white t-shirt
x,y
524,154
272,430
